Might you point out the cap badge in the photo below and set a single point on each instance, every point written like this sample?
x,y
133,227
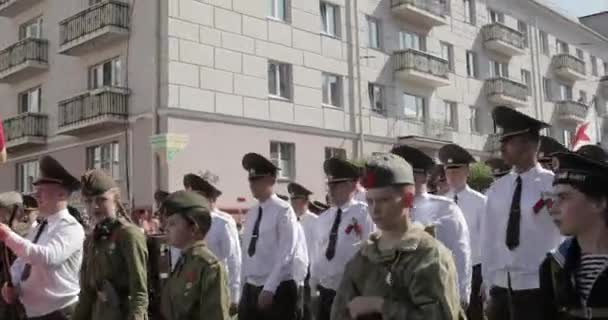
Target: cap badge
x,y
450,160
252,171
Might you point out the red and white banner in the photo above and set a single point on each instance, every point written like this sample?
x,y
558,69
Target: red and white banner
x,y
586,132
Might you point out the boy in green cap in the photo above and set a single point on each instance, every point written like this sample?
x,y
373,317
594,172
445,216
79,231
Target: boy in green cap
x,y
401,272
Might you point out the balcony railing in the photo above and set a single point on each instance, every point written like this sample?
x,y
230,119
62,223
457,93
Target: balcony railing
x,y
498,31
29,49
564,60
106,14
92,106
422,62
26,125
571,110
508,88
436,7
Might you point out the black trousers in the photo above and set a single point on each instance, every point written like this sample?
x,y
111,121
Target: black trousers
x,y
307,300
522,305
63,314
284,306
475,309
326,299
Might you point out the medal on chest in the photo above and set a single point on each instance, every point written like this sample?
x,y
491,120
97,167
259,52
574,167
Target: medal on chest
x,y
389,278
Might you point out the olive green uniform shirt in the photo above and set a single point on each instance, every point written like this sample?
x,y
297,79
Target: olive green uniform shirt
x,y
197,287
417,280
113,278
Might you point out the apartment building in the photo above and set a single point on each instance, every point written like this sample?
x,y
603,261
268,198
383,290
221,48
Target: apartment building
x,y
90,82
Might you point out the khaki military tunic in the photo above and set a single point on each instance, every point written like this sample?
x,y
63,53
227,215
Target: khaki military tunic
x,y
113,277
417,280
197,288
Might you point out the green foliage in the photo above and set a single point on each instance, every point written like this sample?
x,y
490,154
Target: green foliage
x,y
480,177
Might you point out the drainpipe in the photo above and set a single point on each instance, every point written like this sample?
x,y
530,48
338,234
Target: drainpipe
x,y
538,83
357,61
156,117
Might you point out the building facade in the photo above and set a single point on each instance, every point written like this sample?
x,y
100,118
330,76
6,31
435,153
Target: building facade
x,y
90,82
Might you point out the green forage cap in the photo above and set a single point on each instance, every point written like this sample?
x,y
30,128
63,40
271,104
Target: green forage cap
x,y
387,169
96,182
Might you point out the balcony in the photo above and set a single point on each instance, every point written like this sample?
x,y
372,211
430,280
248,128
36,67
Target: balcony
x,y
99,25
106,107
429,13
25,130
421,68
502,39
503,91
569,67
10,8
571,111
24,59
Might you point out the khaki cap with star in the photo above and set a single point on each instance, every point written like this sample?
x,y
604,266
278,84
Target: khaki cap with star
x,y
385,170
96,182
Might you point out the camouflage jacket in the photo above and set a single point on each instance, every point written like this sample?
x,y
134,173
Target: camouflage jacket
x,y
417,280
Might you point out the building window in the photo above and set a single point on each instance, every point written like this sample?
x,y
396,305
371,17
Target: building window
x,y
526,78
523,28
29,101
567,135
279,9
472,64
335,153
27,173
31,29
106,74
376,97
469,11
582,96
332,90
279,79
330,17
414,107
580,54
105,157
565,92
282,156
547,92
544,42
496,16
606,68
475,120
411,40
561,47
594,66
499,69
447,53
451,114
373,27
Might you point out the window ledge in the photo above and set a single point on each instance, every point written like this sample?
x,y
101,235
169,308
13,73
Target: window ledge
x,y
275,19
279,98
329,106
325,34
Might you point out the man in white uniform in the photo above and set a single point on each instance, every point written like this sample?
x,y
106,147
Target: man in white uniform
x,y
456,161
517,230
223,237
46,273
339,231
442,216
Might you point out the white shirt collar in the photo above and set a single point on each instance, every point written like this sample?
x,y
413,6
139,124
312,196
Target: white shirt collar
x,y
528,174
60,215
348,204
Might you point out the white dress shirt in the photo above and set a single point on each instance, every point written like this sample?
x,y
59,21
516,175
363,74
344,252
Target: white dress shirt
x,y
273,261
360,195
301,259
55,262
308,221
328,273
473,206
538,233
450,229
223,240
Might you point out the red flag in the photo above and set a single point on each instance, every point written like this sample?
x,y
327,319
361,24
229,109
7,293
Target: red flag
x,y
581,137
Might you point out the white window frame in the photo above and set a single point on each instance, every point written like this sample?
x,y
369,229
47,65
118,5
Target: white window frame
x,y
472,64
567,135
561,46
412,40
287,166
526,78
27,173
329,93
421,105
582,96
31,29
547,88
34,100
499,69
99,79
566,92
447,53
580,54
105,157
469,11
594,69
606,68
522,26
330,19
332,152
374,31
450,116
376,101
544,42
475,120
275,10
280,80
496,16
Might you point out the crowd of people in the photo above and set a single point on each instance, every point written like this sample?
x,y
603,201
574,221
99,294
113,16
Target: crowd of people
x,y
400,238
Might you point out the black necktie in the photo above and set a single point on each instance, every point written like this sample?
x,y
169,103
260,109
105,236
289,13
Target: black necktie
x,y
27,270
256,233
514,218
333,236
456,198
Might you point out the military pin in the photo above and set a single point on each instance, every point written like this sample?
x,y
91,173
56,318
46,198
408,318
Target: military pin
x,y
389,278
188,285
